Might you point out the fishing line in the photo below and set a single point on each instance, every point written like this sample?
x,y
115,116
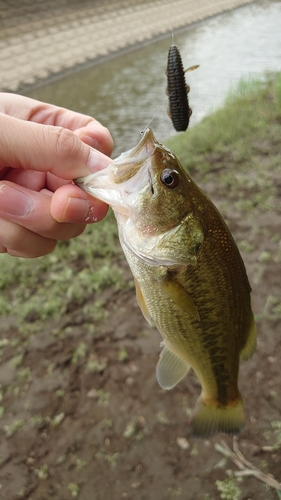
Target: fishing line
x,y
171,14
170,94
151,119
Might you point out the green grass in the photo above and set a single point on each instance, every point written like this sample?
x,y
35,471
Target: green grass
x,y
229,488
35,290
231,132
237,149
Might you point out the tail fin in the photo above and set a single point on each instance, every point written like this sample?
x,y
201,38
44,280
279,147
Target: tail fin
x,y
208,418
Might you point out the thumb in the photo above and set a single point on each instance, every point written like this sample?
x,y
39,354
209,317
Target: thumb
x,y
46,148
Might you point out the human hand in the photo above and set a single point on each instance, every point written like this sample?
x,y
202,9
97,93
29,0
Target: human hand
x,y
42,148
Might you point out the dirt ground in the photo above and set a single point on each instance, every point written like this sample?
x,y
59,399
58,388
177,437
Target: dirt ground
x,y
98,426
120,435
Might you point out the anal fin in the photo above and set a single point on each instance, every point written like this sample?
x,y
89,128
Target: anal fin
x,y
170,369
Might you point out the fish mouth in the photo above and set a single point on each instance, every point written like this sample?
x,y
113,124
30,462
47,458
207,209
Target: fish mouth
x,y
128,174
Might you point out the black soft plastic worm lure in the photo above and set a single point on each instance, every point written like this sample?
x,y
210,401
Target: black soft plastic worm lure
x,y
177,90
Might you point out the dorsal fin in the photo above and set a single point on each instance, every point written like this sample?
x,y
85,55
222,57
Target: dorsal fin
x,y
250,346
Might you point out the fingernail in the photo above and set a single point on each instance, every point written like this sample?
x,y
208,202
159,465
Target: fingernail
x,y
76,210
91,141
14,202
97,161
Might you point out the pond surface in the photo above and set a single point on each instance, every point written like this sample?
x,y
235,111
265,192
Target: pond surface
x,y
125,92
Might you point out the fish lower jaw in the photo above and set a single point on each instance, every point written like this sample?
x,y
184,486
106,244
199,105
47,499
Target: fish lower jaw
x,y
111,197
121,211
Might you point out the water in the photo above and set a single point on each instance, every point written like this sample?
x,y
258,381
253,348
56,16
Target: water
x,y
124,93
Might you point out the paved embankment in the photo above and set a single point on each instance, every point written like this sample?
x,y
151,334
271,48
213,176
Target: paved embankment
x,y
41,39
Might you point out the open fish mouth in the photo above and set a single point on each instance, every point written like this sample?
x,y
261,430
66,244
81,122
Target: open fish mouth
x,y
129,173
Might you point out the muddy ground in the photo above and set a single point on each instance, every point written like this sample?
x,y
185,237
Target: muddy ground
x,y
84,416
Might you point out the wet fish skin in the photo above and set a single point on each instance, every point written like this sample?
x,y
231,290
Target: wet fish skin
x,y
190,279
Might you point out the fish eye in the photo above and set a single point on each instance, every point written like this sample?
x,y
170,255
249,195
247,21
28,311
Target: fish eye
x,y
170,178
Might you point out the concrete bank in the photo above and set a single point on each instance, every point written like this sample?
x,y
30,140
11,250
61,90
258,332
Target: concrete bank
x,y
41,40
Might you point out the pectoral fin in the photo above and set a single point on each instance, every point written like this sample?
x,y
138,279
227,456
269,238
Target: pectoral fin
x,y
250,346
142,304
170,369
179,295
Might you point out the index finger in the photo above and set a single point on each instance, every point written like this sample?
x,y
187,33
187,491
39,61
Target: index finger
x,y
47,148
28,109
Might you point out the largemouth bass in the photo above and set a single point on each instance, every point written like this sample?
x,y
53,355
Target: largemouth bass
x,y
190,279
